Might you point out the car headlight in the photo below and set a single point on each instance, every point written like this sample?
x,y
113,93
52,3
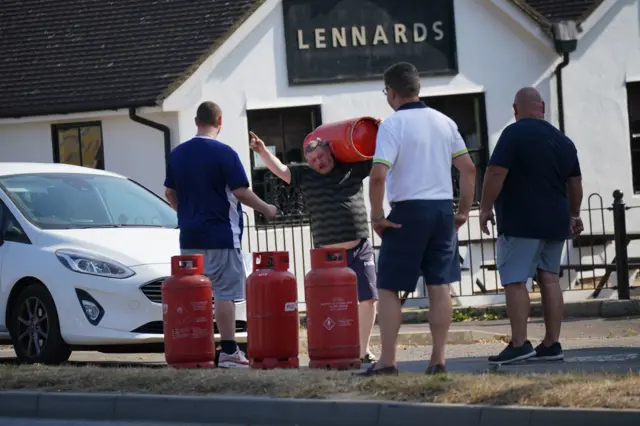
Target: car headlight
x,y
91,264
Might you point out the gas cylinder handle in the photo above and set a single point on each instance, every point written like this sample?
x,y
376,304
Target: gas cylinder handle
x,y
275,260
335,256
191,264
263,260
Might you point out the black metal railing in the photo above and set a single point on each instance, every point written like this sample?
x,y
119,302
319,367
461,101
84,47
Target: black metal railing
x,y
589,261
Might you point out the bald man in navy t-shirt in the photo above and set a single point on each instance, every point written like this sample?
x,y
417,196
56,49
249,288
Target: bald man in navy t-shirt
x,y
535,182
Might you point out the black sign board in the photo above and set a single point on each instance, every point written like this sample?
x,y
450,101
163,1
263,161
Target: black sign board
x,y
346,40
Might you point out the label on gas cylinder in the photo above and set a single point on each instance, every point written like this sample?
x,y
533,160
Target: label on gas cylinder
x,y
347,322
180,333
199,306
197,333
290,306
329,324
337,304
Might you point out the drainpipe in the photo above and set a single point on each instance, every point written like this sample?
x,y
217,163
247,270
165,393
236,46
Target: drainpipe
x,y
164,129
558,74
565,38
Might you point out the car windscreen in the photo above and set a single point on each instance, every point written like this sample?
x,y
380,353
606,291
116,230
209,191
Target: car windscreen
x,y
65,201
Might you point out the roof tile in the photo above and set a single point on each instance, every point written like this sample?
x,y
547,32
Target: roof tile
x,y
547,12
65,56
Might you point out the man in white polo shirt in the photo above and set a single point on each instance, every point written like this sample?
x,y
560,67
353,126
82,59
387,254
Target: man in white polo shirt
x,y
415,148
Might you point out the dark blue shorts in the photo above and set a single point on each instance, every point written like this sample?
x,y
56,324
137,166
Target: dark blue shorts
x,y
425,244
361,261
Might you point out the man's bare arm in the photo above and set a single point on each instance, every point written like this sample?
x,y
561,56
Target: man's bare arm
x,y
247,197
493,180
376,189
467,170
574,188
172,197
272,162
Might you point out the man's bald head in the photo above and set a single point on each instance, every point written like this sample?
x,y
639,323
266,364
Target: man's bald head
x,y
528,104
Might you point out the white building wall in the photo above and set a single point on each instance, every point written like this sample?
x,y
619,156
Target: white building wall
x,y
26,142
130,148
596,115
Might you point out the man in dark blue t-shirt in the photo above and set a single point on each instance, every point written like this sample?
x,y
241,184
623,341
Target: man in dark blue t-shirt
x,y
534,179
205,184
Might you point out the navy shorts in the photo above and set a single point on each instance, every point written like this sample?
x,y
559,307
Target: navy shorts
x,y
360,260
425,244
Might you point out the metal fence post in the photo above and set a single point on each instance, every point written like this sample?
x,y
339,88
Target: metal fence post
x,y
620,235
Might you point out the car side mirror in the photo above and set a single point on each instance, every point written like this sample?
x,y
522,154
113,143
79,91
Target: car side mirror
x,y
11,232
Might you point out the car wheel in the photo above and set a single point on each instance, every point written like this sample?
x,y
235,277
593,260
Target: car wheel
x,y
35,328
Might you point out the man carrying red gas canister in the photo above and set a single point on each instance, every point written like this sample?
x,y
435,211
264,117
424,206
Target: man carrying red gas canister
x,y
333,193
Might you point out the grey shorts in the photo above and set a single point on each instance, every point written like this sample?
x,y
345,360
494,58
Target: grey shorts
x,y
225,269
518,258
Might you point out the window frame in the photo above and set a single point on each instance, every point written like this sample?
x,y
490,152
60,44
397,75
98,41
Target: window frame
x,y
55,140
483,139
314,112
633,115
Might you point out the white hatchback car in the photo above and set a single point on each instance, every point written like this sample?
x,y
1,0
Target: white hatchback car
x,y
83,254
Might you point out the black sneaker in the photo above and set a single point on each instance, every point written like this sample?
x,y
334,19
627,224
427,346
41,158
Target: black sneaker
x,y
383,371
550,353
510,354
436,369
369,358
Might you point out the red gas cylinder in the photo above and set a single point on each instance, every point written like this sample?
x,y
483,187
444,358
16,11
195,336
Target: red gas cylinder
x,y
350,140
332,311
273,324
187,313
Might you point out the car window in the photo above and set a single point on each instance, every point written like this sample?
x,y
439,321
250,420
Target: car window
x,y
126,206
62,200
10,228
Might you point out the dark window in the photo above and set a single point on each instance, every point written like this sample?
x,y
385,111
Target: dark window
x,y
633,104
10,228
469,113
79,144
283,131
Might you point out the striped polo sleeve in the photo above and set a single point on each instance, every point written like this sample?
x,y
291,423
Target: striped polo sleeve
x,y
386,146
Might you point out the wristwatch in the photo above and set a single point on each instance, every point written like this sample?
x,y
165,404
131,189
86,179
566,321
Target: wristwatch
x,y
373,219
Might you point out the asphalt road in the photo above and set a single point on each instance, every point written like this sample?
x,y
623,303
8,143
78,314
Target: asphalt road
x,y
590,345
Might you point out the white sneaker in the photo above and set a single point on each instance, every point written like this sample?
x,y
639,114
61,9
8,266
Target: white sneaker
x,y
237,360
